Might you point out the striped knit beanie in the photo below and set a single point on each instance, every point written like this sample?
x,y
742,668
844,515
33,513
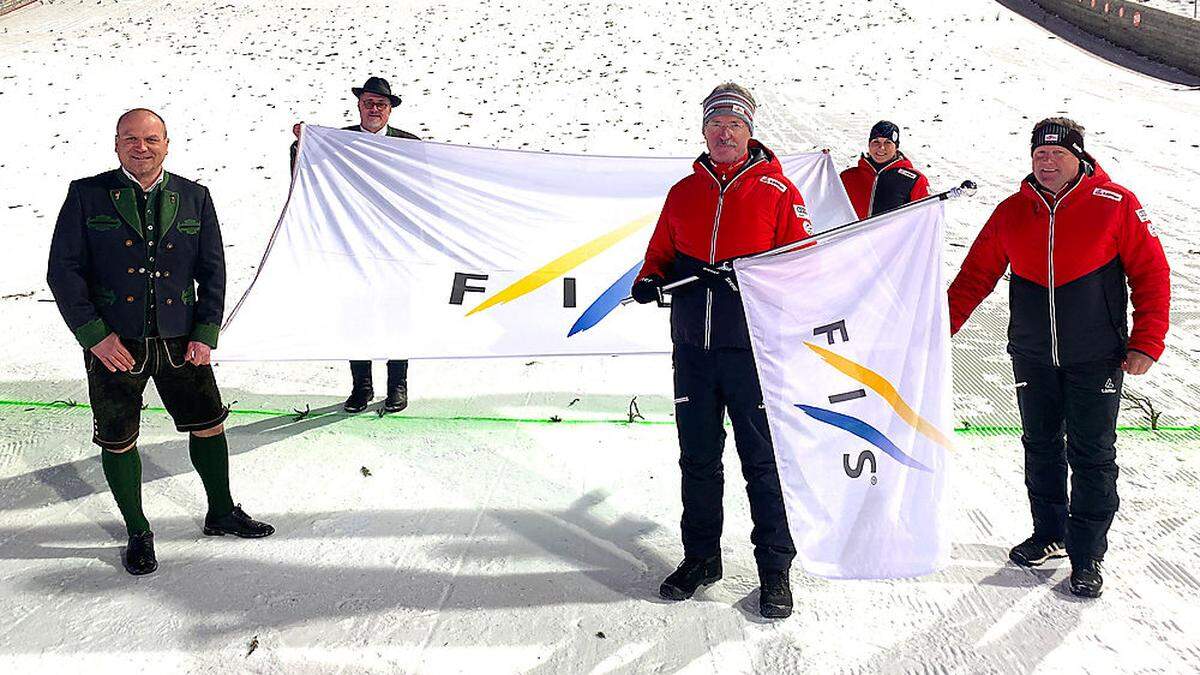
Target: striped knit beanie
x,y
730,99
1053,133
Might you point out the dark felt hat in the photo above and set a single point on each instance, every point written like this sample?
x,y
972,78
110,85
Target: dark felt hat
x,y
376,85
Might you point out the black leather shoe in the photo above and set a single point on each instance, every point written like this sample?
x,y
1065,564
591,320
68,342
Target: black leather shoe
x,y
774,595
691,574
139,555
1086,581
359,400
1036,550
238,524
397,398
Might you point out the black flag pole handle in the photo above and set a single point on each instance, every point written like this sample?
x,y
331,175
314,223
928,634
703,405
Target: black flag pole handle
x,y
966,189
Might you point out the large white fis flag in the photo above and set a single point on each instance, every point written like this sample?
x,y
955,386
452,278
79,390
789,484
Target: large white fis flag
x,y
851,339
392,248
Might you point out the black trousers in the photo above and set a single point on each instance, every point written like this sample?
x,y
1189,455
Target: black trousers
x,y
709,383
1069,419
360,372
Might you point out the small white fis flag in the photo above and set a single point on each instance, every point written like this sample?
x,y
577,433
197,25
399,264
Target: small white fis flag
x,y
851,340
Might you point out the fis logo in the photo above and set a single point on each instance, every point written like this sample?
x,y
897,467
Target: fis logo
x,y
600,308
882,388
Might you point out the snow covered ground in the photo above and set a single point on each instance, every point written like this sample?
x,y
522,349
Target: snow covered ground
x,y
470,533
1182,7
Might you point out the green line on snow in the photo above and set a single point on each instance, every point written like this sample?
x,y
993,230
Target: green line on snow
x,y
971,430
395,417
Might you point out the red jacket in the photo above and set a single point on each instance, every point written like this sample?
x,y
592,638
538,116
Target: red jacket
x,y
893,185
703,223
1071,257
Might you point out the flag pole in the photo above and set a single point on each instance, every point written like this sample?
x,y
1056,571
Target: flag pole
x,y
967,188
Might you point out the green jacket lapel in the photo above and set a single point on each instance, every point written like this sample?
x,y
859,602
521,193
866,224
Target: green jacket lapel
x,y
126,204
168,206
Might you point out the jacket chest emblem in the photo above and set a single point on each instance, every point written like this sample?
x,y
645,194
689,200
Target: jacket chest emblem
x,y
103,223
1108,194
189,226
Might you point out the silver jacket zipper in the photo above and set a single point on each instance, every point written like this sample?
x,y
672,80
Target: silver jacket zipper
x,y
1053,206
712,247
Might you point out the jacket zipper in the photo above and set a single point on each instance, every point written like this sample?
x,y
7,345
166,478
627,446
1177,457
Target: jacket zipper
x,y
1050,270
875,185
712,247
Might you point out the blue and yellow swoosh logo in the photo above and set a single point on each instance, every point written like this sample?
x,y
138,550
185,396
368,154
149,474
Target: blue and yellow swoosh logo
x,y
603,305
888,392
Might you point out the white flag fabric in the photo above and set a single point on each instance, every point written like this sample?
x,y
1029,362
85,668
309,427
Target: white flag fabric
x,y
851,339
393,248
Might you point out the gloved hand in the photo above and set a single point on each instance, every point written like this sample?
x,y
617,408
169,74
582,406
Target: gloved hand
x,y
648,289
718,277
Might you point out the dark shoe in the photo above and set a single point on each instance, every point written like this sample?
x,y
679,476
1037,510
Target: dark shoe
x,y
238,524
359,400
139,555
774,595
361,389
1035,550
1086,581
397,398
691,574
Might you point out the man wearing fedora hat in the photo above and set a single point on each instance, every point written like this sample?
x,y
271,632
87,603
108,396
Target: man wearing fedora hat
x,y
375,103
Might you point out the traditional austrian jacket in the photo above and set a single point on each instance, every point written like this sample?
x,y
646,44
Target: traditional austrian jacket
x,y
138,264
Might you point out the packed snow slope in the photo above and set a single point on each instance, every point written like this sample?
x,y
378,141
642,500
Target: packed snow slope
x,y
1181,7
471,533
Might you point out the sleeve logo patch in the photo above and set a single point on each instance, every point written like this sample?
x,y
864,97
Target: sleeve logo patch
x,y
773,183
801,211
1108,194
1142,215
906,173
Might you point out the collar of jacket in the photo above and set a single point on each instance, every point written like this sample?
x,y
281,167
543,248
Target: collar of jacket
x,y
124,199
760,160
898,162
1084,186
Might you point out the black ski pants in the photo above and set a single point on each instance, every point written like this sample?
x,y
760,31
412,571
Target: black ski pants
x,y
709,383
1069,419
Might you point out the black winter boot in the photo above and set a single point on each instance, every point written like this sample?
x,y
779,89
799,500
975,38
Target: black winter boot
x,y
397,387
774,594
236,523
139,555
691,574
1086,581
362,389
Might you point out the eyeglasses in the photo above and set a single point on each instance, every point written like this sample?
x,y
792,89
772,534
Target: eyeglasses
x,y
375,105
721,126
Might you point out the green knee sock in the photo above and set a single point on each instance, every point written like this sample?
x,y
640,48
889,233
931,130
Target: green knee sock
x,y
210,456
123,471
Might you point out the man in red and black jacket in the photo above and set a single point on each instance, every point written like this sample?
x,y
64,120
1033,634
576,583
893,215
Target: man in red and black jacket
x,y
1073,239
735,203
884,178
